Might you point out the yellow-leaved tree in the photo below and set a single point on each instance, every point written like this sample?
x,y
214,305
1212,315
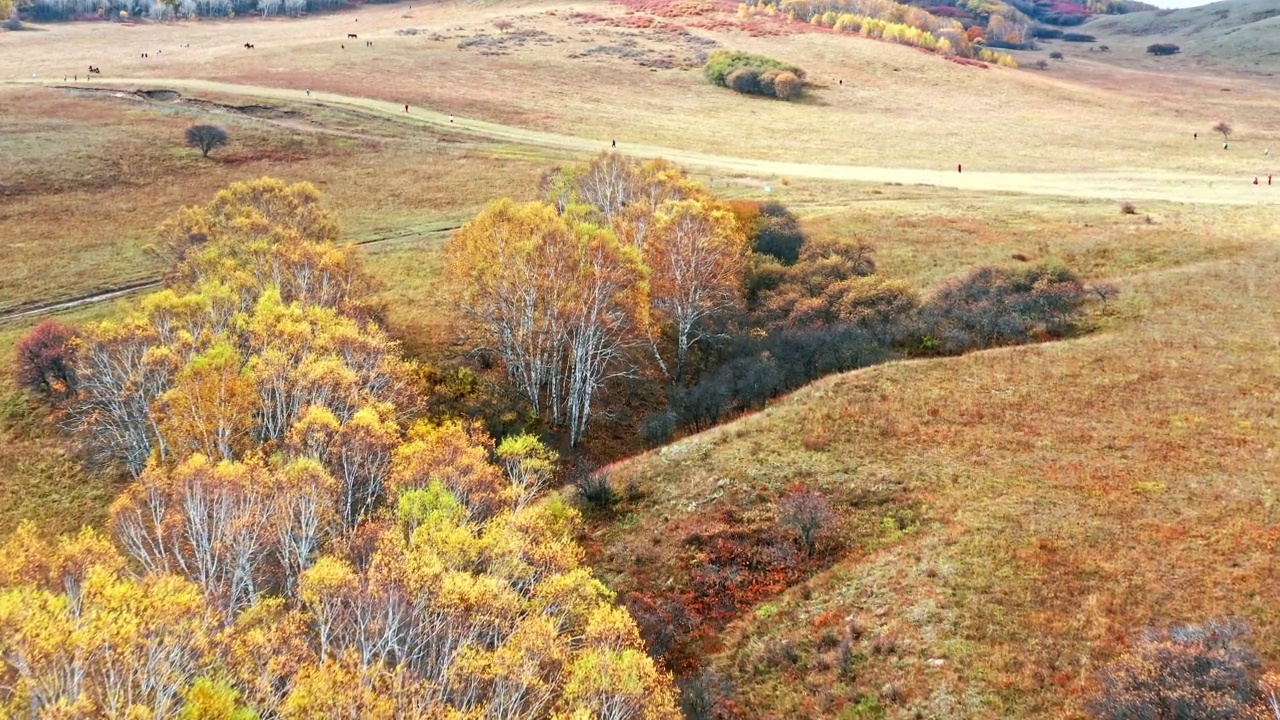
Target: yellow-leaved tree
x,y
559,298
302,545
620,255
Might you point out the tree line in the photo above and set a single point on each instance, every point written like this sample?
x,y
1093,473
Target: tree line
x,y
1001,25
48,10
628,284
301,538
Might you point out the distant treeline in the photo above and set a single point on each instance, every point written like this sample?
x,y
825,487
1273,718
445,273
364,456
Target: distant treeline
x,y
47,10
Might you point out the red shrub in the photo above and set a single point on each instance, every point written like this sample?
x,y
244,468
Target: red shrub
x,y
42,363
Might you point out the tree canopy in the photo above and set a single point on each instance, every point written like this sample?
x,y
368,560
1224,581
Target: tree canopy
x,y
296,542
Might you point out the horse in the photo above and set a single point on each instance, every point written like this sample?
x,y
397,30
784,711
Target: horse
x,y
352,36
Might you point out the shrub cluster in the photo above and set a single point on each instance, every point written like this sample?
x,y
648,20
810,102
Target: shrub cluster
x,y
778,233
816,307
1007,45
1000,306
42,362
1205,672
754,74
1078,37
1163,49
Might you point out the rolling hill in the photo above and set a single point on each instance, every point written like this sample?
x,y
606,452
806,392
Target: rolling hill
x,y
1242,33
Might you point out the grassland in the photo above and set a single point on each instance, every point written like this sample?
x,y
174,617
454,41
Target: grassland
x,y
1244,35
1009,518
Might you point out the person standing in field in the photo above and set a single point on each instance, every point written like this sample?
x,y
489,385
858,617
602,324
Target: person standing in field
x,y
406,108
959,168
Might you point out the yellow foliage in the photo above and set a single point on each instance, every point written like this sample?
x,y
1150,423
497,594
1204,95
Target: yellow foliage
x,y
266,414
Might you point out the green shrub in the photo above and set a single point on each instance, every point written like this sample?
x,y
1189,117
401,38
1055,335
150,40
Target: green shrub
x,y
754,74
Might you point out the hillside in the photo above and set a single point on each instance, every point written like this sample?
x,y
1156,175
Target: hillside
x,y
1243,33
1006,522
1010,520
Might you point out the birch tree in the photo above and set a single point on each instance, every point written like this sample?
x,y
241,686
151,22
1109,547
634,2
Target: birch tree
x,y
697,256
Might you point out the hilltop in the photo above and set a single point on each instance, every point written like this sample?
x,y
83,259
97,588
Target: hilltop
x,y
1241,33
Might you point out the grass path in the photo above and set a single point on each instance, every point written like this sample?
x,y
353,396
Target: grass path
x,y
59,306
1133,185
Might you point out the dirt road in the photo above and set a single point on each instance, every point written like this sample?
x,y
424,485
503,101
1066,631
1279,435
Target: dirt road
x,y
1135,185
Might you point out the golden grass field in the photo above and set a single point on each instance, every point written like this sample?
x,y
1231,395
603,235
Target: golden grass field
x,y
1061,496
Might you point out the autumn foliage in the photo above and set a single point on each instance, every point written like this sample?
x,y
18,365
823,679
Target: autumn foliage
x,y
297,543
42,364
754,74
622,260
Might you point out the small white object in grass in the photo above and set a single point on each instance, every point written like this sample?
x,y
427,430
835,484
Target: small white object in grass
x,y
768,188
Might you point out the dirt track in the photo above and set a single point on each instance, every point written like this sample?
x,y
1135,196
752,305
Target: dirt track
x,y
1136,185
125,290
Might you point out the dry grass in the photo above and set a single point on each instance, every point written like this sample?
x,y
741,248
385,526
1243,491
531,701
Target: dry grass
x,y
88,178
897,106
1067,494
1055,497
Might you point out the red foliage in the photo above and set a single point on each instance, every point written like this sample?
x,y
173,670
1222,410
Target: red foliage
x,y
729,568
675,8
642,22
967,61
42,363
948,11
1063,7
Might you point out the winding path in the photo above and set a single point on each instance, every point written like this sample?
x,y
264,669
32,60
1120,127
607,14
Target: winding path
x,y
50,308
1147,185
1142,184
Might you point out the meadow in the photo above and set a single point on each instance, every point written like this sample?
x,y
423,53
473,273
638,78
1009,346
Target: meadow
x,y
1009,518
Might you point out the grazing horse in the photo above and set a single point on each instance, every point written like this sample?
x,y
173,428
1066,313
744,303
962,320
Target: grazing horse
x,y
352,36
249,46
94,70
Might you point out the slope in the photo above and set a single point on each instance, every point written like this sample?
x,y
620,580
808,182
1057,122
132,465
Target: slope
x,y
1009,519
1244,33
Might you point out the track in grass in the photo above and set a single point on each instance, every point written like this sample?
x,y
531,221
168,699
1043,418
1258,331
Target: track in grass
x,y
58,306
1134,185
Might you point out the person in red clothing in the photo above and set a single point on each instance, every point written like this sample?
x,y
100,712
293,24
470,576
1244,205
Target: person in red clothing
x,y
1255,181
406,108
959,168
